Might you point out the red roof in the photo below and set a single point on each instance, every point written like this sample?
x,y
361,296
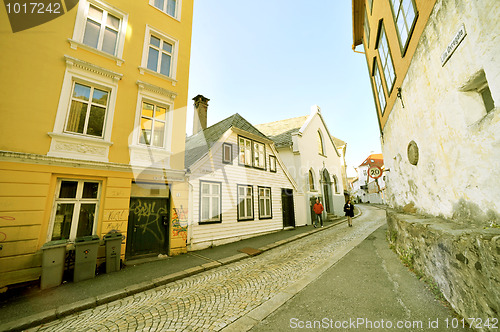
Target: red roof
x,y
376,159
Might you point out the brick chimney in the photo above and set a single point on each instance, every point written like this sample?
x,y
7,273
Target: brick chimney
x,y
200,113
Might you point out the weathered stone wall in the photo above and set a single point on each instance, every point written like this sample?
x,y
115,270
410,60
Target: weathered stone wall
x,y
458,141
463,260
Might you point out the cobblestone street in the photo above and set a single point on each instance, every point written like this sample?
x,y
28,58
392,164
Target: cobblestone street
x,y
212,300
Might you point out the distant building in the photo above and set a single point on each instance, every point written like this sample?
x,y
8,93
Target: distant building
x,y
239,185
316,164
370,188
92,133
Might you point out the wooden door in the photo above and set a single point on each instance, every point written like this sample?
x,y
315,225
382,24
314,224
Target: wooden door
x,y
287,208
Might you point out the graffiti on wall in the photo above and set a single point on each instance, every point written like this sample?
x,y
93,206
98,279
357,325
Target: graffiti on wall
x,y
148,218
179,222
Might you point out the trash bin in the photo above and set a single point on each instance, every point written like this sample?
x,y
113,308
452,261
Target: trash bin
x,y
53,258
113,242
85,257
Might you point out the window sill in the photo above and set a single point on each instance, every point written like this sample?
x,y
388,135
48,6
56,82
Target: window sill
x,y
78,147
143,70
75,45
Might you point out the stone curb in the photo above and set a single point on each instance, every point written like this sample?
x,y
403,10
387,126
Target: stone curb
x,y
62,311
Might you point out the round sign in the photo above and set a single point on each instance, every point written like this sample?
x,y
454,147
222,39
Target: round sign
x,y
374,172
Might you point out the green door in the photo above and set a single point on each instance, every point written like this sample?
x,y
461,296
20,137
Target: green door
x,y
148,224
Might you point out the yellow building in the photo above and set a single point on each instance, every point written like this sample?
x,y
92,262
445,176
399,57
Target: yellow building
x,y
93,129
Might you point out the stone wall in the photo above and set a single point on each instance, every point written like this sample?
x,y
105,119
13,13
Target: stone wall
x,y
463,260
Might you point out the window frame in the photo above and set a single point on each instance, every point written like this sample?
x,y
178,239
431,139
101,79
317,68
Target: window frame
x,y
395,14
227,158
178,7
383,42
321,144
80,25
273,164
367,30
78,200
251,152
259,157
269,215
246,197
377,84
212,220
153,121
143,68
311,180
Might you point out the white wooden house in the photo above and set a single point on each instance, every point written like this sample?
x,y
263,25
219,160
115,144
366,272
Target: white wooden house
x,y
239,187
308,150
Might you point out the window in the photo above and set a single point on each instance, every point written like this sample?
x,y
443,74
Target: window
x,y
265,210
210,202
405,15
84,118
259,159
100,27
311,181
386,60
153,125
75,209
378,87
370,4
245,202
321,149
159,55
272,163
367,30
152,137
485,93
171,7
245,147
227,153
87,111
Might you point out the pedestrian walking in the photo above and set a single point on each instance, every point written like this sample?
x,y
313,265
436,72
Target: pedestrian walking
x,y
318,209
349,212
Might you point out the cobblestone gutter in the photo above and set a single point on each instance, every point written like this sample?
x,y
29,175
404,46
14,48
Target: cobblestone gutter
x,y
464,260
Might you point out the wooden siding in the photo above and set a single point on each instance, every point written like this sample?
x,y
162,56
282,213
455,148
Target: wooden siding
x,y
230,175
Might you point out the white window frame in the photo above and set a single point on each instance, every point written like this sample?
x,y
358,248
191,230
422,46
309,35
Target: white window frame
x,y
211,196
379,89
81,19
143,68
245,151
265,196
401,15
259,155
78,201
178,7
245,200
367,30
73,145
148,155
386,62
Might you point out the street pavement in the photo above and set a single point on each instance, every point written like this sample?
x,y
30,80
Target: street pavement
x,y
337,273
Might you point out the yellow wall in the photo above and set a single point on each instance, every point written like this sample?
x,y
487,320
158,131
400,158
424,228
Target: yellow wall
x,y
381,10
32,63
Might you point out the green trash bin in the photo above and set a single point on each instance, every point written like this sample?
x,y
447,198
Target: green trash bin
x,y
86,248
53,258
113,242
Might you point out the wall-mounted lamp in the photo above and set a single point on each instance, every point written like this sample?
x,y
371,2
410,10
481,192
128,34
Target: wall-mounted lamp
x,y
400,97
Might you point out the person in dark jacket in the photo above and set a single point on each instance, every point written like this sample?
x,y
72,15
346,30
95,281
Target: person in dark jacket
x,y
318,210
349,212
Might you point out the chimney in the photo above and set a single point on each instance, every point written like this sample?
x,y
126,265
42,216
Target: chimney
x,y
200,113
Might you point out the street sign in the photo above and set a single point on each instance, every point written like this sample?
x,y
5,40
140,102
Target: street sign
x,y
374,172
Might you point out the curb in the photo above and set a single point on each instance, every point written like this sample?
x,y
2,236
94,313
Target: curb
x,y
92,302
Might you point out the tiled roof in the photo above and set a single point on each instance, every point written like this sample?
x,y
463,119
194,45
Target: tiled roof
x,y
198,144
376,159
281,131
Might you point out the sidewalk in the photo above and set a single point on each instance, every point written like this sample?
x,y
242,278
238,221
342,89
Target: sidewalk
x,y
32,306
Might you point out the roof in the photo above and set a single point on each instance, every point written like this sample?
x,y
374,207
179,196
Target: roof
x,y
198,144
376,159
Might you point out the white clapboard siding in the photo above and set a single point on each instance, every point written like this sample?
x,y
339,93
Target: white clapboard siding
x,y
211,168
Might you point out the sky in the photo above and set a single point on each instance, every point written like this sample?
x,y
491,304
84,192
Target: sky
x,y
270,60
